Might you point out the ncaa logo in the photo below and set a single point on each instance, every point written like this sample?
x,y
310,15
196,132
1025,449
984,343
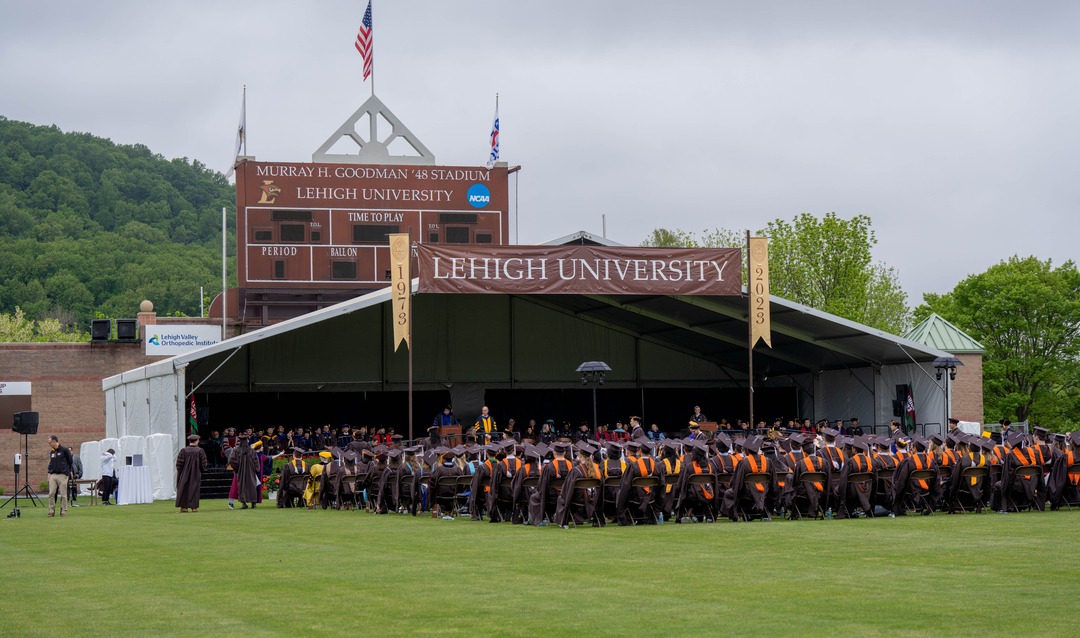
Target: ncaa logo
x,y
479,195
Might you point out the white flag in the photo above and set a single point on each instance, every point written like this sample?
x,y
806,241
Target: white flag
x,y
241,132
494,157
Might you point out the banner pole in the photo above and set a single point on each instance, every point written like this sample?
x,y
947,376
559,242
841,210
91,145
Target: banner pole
x,y
750,331
409,284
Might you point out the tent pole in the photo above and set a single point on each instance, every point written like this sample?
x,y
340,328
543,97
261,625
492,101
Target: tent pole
x,y
409,283
750,332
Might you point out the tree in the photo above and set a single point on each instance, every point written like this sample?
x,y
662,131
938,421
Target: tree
x,y
16,328
822,263
1026,313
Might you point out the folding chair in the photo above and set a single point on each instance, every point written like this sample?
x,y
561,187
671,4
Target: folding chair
x,y
723,481
358,491
854,479
446,484
644,481
404,481
587,484
1072,469
883,476
1022,473
461,491
426,487
920,475
706,479
811,477
297,484
754,478
965,484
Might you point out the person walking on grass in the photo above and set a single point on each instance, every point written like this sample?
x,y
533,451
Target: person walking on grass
x,y
60,470
190,464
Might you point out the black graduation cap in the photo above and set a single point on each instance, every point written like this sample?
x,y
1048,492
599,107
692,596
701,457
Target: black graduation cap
x,y
671,443
335,452
1057,436
434,428
633,446
883,442
542,449
1074,438
509,444
530,450
297,450
351,456
752,444
396,437
952,420
796,439
192,438
860,443
588,449
1005,422
830,433
458,450
413,449
560,446
1016,438
936,439
394,453
1041,432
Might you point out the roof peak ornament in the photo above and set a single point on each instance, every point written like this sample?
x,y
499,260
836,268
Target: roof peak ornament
x,y
372,149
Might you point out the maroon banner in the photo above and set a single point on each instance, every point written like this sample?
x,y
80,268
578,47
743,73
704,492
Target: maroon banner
x,y
580,270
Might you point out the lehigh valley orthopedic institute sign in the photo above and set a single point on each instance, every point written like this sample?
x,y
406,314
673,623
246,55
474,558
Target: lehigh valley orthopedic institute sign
x,y
173,340
580,270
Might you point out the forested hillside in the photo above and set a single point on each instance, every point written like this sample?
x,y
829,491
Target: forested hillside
x,y
89,226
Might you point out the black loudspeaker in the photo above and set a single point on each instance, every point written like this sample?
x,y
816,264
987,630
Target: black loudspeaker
x,y
127,329
100,329
25,423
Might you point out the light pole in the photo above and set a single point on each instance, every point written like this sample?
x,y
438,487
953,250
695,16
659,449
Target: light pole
x,y
593,371
941,365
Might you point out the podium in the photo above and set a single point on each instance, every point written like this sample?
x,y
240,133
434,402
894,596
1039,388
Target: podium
x,y
707,425
451,435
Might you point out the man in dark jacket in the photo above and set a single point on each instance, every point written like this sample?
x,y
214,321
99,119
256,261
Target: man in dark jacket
x,y
60,470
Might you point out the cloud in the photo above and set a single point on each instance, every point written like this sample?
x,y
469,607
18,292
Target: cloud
x,y
951,125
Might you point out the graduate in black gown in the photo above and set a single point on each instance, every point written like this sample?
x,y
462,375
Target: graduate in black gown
x,y
1063,487
443,497
501,496
696,500
638,465
580,505
296,467
245,465
750,498
520,492
922,493
856,496
190,463
546,497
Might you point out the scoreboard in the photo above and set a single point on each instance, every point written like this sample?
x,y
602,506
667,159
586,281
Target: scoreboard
x,y
307,226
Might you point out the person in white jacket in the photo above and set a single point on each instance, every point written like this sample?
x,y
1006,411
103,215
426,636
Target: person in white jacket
x,y
107,484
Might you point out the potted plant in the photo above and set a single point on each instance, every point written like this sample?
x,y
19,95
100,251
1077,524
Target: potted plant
x,y
271,484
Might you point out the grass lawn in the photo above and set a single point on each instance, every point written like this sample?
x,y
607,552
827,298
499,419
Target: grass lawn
x,y
147,570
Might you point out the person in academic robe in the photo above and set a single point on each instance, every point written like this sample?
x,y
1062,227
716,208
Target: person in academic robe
x,y
807,497
485,425
611,471
386,500
501,493
695,500
883,460
544,500
444,419
521,493
1063,487
638,465
921,493
750,497
190,463
1016,492
723,463
946,456
296,467
345,483
478,493
834,460
855,497
311,492
344,438
670,465
967,493
247,485
1045,453
580,505
434,439
443,497
330,481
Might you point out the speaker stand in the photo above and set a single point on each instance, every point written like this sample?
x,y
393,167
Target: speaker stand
x,y
26,489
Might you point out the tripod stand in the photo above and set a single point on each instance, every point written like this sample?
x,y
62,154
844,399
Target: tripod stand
x,y
30,493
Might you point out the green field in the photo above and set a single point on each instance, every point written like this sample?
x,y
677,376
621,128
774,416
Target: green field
x,y
147,570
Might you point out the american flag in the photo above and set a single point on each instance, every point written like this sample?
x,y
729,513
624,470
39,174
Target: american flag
x,y
494,156
363,40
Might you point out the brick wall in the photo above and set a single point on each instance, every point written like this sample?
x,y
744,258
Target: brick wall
x,y
967,390
66,393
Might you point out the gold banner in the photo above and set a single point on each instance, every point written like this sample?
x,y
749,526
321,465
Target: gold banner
x,y
758,287
401,283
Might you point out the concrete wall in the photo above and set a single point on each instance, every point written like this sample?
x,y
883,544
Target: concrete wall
x,y
967,390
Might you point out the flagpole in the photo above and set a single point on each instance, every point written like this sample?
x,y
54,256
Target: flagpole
x,y
372,5
243,107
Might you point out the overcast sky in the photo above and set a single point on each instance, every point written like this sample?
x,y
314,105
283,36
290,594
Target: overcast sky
x,y
952,125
